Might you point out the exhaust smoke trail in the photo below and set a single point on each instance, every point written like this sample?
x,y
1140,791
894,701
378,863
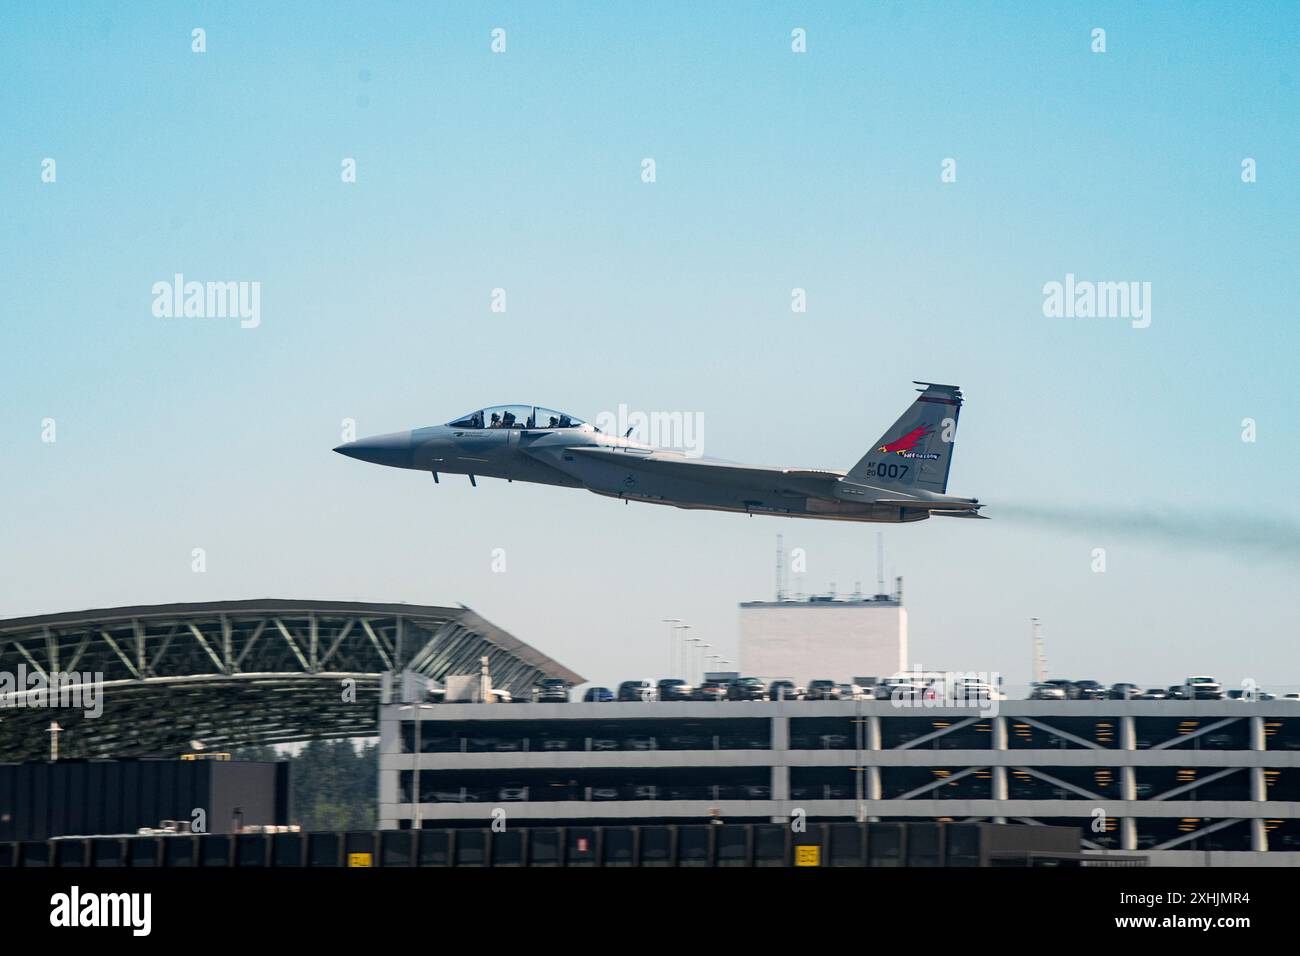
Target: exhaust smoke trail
x,y
1241,536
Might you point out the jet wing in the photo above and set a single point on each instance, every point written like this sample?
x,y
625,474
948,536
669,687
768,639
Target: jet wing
x,y
804,481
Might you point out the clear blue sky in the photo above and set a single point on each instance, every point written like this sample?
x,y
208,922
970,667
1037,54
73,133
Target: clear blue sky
x,y
775,170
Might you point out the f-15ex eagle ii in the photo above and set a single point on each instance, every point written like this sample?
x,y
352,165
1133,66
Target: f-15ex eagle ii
x,y
903,477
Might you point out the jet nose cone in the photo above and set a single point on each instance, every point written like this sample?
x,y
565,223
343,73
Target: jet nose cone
x,y
393,450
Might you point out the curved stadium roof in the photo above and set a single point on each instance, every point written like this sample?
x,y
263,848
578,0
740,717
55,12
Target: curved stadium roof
x,y
239,673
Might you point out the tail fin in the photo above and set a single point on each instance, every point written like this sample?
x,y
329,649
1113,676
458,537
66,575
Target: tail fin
x,y
917,451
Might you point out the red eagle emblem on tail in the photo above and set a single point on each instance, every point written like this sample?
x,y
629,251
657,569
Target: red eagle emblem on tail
x,y
908,442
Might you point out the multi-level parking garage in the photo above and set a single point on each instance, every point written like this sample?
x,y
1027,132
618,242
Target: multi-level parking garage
x,y
1188,781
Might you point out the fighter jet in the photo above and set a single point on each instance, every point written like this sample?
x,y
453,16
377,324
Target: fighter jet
x,y
902,477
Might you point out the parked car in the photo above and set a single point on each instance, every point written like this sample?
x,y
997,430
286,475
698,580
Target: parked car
x,y
480,745
636,690
603,744
598,695
1153,693
604,793
639,742
970,688
1176,692
1046,691
711,690
746,688
898,690
500,696
555,743
454,796
823,690
688,793
884,690
1203,688
513,791
552,690
674,688
852,692
1250,695
1066,686
1089,690
782,690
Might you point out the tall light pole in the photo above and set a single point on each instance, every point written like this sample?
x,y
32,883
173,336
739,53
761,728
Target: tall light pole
x,y
1040,661
676,628
703,647
672,623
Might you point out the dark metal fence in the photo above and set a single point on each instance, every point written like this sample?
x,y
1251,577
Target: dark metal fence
x,y
887,844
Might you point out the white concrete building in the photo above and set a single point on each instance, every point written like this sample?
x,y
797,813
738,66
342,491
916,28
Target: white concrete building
x,y
823,638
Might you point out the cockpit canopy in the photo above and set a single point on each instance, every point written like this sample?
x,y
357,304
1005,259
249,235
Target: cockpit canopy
x,y
516,416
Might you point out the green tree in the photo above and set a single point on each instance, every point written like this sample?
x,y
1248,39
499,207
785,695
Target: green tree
x,y
334,784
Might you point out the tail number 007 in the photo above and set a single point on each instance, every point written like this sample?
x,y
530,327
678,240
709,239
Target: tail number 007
x,y
886,470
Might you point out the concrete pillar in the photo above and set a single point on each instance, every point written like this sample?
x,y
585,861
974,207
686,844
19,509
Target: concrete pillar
x,y
780,735
998,742
780,767
388,780
390,728
1258,785
1127,733
871,784
1128,783
780,758
1128,833
1257,739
